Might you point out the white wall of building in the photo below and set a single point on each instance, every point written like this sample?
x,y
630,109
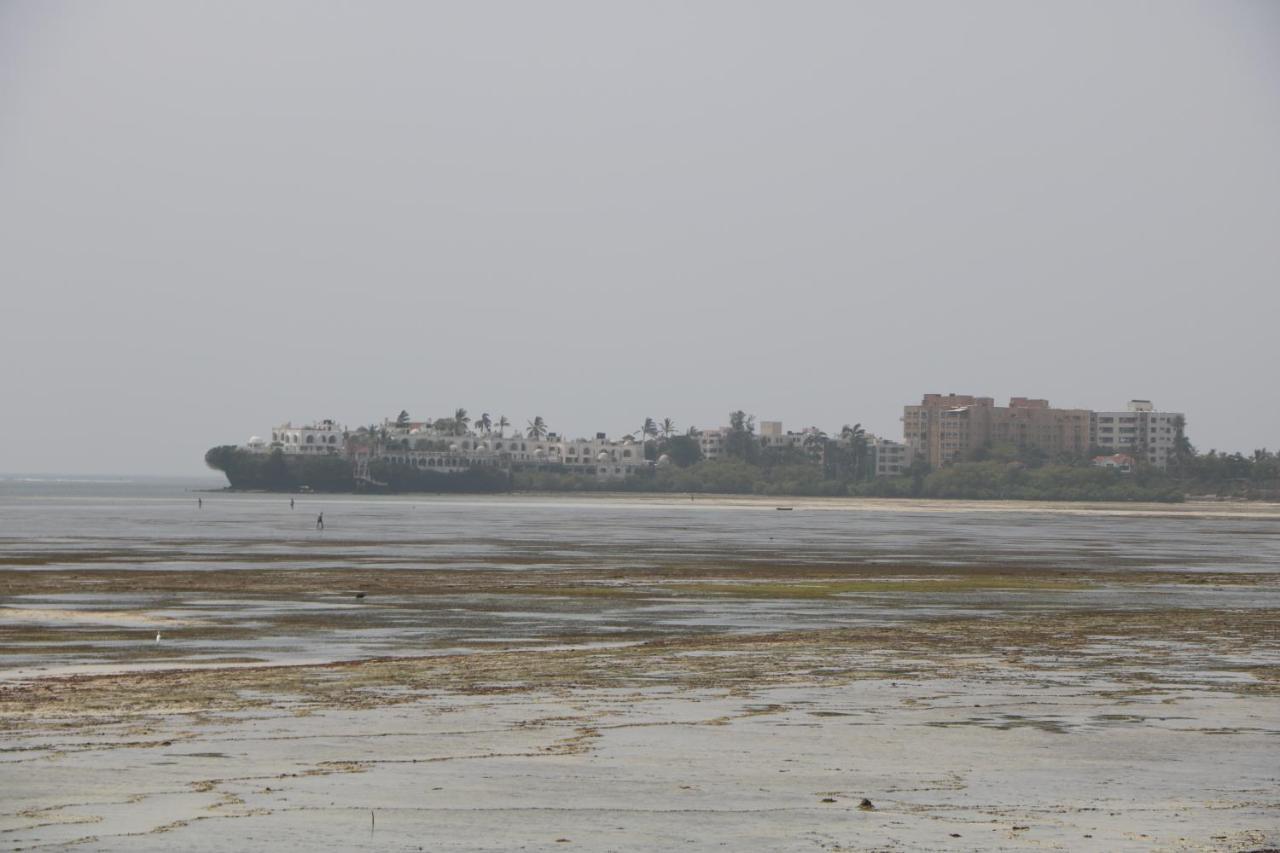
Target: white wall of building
x,y
890,458
1139,430
323,437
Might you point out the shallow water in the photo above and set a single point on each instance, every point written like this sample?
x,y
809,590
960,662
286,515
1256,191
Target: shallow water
x,y
156,525
152,519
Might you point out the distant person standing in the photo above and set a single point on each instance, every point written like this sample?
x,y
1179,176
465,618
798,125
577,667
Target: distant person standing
x,y
199,503
290,503
320,521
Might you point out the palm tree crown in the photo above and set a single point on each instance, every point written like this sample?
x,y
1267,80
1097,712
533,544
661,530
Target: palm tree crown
x,y
537,427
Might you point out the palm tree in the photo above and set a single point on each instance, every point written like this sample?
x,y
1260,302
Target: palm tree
x,y
741,441
460,421
485,423
649,430
668,427
537,427
857,438
503,423
740,421
1183,450
814,437
815,442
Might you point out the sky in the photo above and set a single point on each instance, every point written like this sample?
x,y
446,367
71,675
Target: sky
x,y
216,217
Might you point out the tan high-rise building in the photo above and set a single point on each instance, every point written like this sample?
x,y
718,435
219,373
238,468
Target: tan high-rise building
x,y
952,427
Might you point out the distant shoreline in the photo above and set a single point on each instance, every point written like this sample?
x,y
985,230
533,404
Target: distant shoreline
x,y
1191,508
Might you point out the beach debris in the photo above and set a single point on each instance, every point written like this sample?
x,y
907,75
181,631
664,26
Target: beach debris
x,y
866,805
360,595
828,799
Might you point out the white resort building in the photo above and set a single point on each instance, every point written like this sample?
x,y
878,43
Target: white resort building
x,y
323,437
421,445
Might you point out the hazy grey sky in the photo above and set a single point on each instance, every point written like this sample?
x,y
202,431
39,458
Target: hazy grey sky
x,y
218,216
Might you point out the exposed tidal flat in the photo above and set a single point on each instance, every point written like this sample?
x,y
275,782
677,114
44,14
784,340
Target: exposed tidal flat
x,y
635,673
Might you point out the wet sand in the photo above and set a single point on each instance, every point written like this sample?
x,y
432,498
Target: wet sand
x,y
507,691
1101,731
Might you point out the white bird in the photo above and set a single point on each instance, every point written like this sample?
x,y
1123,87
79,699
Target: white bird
x,y
157,636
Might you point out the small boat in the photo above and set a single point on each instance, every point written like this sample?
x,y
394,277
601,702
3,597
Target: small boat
x,y
783,508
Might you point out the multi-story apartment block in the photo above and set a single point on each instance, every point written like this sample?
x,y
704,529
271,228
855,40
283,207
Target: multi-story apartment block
x,y
711,442
950,428
1034,423
889,458
922,425
1139,431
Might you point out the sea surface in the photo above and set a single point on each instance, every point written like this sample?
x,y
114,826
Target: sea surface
x,y
88,525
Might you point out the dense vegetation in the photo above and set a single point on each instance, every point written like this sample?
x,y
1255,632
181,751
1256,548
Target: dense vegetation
x,y
971,480
1017,481
1235,475
406,478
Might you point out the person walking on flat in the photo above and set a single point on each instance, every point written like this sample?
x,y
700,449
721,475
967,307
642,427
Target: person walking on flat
x,y
290,503
199,503
320,521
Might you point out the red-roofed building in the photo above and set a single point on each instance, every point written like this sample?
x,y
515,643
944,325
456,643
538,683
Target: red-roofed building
x,y
1121,462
